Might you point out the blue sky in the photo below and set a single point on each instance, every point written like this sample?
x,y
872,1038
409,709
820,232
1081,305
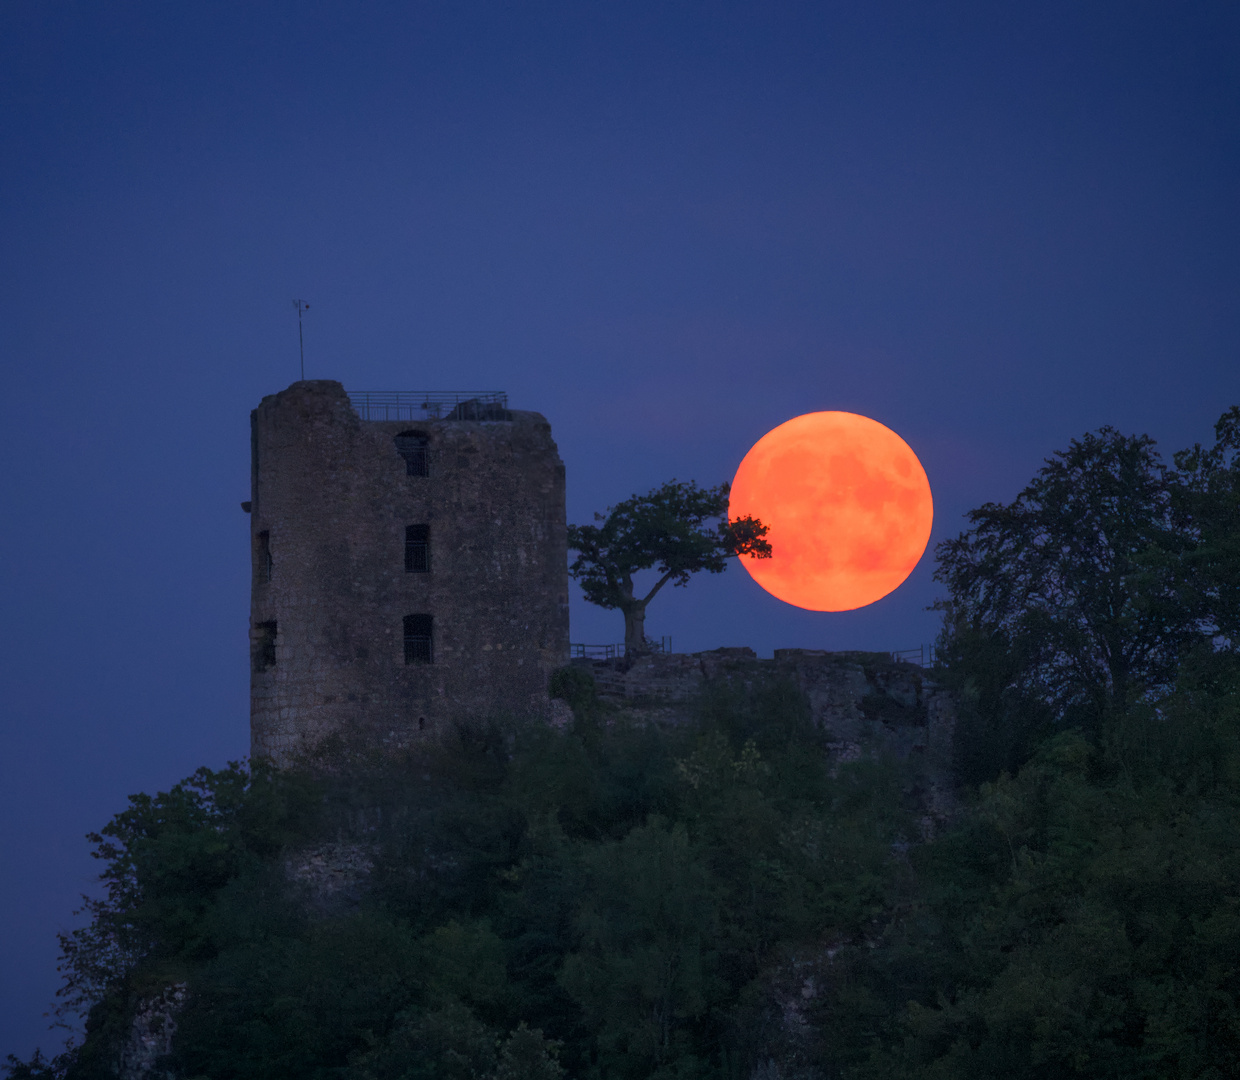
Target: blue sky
x,y
666,226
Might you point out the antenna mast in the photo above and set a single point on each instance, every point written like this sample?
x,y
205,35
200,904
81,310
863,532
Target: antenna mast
x,y
301,341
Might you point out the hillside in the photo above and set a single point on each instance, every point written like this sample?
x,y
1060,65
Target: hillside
x,y
725,867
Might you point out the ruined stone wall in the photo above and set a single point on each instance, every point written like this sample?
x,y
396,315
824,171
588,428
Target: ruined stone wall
x,y
864,702
331,500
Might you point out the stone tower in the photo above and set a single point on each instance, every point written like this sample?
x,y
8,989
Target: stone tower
x,y
409,564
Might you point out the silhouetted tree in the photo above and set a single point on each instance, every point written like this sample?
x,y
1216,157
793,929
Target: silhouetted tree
x,y
1206,503
1065,579
677,529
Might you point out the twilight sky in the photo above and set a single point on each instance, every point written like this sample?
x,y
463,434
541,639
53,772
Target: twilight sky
x,y
667,226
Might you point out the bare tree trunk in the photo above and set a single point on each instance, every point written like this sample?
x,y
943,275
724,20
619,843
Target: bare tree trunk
x,y
635,627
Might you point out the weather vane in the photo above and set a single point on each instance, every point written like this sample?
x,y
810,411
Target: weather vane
x,y
301,341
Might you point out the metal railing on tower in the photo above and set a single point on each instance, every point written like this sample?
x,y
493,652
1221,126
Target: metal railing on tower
x,y
430,404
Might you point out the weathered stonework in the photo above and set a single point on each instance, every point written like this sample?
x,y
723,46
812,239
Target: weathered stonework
x,y
865,703
150,1035
332,876
332,498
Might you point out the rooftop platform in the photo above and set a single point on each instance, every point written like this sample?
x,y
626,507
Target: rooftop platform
x,y
430,404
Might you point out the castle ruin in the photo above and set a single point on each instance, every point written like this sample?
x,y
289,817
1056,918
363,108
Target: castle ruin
x,y
409,563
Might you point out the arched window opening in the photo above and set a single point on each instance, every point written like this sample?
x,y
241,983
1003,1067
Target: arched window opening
x,y
411,445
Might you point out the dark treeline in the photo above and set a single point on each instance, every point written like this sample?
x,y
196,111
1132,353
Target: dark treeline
x,y
720,899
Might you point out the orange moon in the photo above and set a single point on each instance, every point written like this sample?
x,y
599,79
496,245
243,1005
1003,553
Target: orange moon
x,y
848,505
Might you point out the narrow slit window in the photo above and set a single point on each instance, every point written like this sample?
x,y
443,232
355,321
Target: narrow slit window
x,y
262,556
419,639
411,445
263,645
417,549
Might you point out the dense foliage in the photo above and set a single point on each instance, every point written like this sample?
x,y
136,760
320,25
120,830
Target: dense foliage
x,y
1081,598
606,899
718,899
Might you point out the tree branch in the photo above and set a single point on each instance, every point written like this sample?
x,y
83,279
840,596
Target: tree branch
x,y
658,585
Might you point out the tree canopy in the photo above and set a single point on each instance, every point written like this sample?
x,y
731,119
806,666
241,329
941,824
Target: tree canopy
x,y
1063,576
1206,507
720,899
678,530
596,901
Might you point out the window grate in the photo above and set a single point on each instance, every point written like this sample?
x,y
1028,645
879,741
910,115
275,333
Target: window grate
x,y
419,639
417,549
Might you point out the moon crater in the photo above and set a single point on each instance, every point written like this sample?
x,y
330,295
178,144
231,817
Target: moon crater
x,y
848,506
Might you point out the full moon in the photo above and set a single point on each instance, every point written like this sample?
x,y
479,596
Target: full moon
x,y
848,506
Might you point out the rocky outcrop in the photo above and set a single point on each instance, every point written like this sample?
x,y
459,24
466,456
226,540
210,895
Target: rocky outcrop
x,y
150,1035
332,875
865,703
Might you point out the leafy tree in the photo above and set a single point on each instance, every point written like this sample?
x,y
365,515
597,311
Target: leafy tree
x,y
677,529
1062,579
526,1055
1079,920
37,1068
290,998
1206,502
642,968
445,1044
451,1043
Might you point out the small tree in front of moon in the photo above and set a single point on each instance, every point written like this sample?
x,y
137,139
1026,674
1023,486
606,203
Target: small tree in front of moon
x,y
676,530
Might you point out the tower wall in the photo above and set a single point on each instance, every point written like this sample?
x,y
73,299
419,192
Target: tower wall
x,y
331,502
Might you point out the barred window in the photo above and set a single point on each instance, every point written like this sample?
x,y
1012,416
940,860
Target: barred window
x,y
263,645
411,445
419,639
417,549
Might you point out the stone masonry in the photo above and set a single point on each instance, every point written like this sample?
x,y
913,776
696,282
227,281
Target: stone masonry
x,y
403,572
865,703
